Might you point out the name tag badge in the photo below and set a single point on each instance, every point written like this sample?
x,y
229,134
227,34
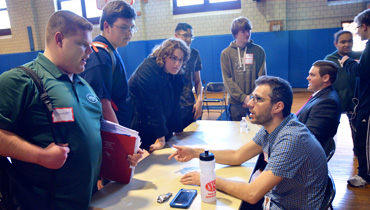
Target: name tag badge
x,y
267,203
63,115
266,156
248,59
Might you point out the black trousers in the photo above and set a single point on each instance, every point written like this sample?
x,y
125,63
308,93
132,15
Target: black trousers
x,y
362,143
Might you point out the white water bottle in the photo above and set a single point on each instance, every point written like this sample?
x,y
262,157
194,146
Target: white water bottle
x,y
243,125
207,177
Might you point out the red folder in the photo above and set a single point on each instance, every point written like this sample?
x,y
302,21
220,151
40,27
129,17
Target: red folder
x,y
116,147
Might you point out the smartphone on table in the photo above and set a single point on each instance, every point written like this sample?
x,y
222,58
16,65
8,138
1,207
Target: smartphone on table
x,y
183,198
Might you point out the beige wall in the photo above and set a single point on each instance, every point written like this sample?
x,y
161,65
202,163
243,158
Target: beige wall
x,y
157,21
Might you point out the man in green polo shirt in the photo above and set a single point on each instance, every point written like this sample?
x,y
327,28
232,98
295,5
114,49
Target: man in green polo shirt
x,y
45,175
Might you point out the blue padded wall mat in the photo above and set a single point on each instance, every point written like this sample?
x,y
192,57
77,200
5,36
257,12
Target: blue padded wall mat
x,y
289,54
8,61
305,47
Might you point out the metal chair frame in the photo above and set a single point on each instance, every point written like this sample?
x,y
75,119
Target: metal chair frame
x,y
329,149
215,87
329,194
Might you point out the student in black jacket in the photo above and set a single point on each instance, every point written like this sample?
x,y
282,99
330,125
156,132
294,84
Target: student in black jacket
x,y
362,101
155,89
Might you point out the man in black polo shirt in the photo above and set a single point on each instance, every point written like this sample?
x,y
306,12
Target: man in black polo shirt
x,y
191,107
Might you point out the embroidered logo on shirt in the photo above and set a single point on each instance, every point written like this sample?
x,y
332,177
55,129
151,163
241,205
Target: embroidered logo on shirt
x,y
63,115
92,98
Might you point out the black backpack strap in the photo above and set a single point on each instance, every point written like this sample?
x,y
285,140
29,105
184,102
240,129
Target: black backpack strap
x,y
6,194
44,98
49,111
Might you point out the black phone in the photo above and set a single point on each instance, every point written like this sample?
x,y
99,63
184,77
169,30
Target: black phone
x,y
183,198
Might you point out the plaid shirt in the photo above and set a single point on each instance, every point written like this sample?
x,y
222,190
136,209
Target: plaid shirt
x,y
294,154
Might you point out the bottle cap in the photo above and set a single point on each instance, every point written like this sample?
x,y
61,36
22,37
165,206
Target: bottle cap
x,y
206,156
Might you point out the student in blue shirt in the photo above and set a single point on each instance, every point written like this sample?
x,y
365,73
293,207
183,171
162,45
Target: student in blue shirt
x,y
117,25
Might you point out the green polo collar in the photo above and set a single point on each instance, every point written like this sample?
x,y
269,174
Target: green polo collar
x,y
50,67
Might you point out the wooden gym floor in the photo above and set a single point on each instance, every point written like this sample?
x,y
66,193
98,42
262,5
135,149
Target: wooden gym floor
x,y
342,166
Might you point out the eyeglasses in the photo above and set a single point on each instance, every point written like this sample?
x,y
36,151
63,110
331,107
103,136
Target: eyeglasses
x,y
126,29
360,25
256,99
176,59
187,36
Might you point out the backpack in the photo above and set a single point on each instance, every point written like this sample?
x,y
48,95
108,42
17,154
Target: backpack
x,y
5,194
6,198
96,45
101,45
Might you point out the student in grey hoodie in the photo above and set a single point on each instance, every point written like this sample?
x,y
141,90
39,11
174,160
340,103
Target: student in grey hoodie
x,y
241,64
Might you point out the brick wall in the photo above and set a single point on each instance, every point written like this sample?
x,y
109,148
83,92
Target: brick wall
x,y
24,13
157,22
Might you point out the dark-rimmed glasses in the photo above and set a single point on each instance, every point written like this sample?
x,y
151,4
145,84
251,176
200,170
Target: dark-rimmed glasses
x,y
187,36
256,99
126,29
176,59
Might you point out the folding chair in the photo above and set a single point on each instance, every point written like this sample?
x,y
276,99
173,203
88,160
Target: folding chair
x,y
329,149
260,165
215,87
329,194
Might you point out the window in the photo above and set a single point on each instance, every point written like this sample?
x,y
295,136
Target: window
x,y
186,6
340,2
85,8
4,17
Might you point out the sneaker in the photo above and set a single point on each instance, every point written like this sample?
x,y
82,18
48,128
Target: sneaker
x,y
357,181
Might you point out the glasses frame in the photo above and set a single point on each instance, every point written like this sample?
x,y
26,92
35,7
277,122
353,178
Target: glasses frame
x,y
126,29
256,99
187,36
175,59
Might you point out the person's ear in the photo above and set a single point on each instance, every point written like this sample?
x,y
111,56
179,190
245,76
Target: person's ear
x,y
326,77
366,28
58,37
278,107
106,27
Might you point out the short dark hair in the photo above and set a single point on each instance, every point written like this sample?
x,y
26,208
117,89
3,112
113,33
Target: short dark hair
x,y
67,23
167,47
240,23
363,18
116,9
327,67
280,91
339,33
183,26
